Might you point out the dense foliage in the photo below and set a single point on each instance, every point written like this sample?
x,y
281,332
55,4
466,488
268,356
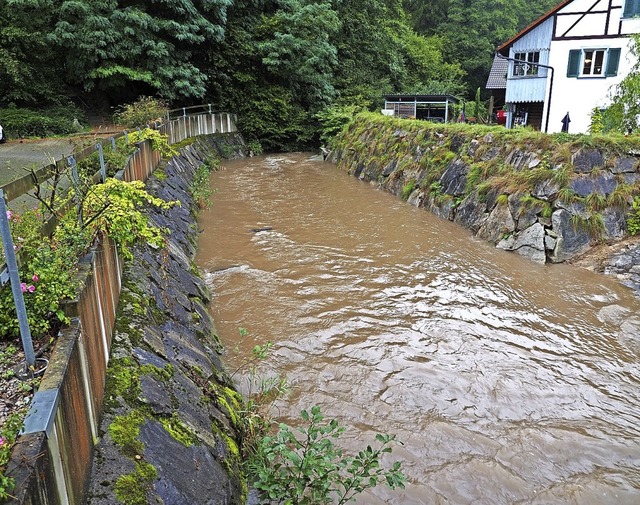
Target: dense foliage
x,y
276,63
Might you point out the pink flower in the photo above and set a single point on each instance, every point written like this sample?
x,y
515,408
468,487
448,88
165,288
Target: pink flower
x,y
9,215
35,278
31,288
23,287
1,441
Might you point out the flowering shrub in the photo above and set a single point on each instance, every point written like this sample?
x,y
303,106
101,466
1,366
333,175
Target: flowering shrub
x,y
52,280
116,207
49,267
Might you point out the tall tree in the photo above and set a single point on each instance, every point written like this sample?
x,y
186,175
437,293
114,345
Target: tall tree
x,y
127,47
28,73
296,48
624,113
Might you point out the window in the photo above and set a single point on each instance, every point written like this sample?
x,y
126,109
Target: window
x,y
593,62
526,64
631,8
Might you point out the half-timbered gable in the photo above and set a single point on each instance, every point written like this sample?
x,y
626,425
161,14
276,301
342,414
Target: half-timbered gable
x,y
567,62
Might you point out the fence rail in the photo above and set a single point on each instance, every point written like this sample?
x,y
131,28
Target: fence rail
x,y
51,461
139,165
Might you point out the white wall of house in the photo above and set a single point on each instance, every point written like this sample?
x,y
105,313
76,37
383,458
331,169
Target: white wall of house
x,y
600,28
583,25
579,95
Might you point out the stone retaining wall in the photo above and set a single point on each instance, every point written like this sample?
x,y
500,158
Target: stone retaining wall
x,y
549,198
169,432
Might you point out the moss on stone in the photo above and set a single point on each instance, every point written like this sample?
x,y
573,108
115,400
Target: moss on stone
x,y
177,429
123,380
231,403
131,489
125,430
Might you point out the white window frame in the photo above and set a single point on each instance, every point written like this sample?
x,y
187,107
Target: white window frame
x,y
528,69
591,64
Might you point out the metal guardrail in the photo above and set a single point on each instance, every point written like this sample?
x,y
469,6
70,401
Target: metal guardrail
x,y
138,167
53,454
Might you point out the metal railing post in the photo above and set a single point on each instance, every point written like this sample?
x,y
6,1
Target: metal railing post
x,y
103,168
16,288
71,162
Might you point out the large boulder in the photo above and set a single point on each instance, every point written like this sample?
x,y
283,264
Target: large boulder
x,y
546,190
572,239
389,169
585,160
497,225
615,223
471,213
521,160
454,179
528,243
625,164
585,185
443,207
524,212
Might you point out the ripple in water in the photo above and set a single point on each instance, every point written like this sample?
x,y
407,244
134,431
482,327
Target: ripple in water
x,y
507,382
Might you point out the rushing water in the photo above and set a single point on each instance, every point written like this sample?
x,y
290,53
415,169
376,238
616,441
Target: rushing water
x,y
507,381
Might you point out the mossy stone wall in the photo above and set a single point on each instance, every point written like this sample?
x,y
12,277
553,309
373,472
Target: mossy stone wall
x,y
169,433
547,197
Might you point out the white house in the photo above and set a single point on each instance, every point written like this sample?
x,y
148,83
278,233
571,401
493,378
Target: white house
x,y
567,62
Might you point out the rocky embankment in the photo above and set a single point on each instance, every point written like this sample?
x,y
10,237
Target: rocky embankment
x,y
551,198
169,432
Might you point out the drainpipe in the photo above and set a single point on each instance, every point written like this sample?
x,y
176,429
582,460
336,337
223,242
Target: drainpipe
x,y
546,126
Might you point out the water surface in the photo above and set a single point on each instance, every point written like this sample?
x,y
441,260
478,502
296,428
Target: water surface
x,y
507,381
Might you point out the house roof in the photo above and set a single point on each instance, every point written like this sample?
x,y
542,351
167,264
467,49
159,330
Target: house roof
x,y
504,46
498,75
421,98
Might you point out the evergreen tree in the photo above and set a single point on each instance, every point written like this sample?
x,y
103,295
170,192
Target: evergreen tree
x,y
124,48
28,74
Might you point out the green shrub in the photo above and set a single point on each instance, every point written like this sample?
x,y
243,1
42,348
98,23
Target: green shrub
x,y
633,221
49,265
8,435
47,273
407,189
141,112
334,118
22,122
311,470
201,186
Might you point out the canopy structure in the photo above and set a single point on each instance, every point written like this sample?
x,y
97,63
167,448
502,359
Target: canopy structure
x,y
428,107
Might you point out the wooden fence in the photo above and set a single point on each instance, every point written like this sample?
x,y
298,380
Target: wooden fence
x,y
51,461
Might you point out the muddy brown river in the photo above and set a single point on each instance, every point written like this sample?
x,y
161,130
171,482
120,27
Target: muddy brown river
x,y
508,382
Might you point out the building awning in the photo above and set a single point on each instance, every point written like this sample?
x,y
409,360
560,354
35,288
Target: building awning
x,y
498,75
422,98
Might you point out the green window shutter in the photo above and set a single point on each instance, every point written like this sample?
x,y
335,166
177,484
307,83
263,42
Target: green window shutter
x,y
573,67
612,62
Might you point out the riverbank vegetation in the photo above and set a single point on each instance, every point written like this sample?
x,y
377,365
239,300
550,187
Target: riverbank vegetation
x,y
277,64
569,192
